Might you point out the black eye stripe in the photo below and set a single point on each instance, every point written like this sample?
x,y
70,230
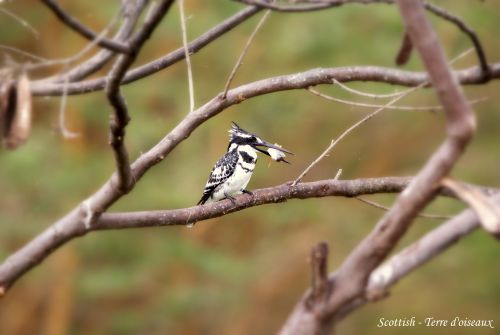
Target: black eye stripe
x,y
246,157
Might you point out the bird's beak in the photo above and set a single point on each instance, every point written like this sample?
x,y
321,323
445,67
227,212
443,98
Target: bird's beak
x,y
273,146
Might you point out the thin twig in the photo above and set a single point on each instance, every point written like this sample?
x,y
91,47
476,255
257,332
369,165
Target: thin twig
x,y
350,129
84,31
131,11
187,56
68,60
362,104
481,55
24,53
337,176
365,94
366,118
438,11
23,22
408,108
239,62
385,208
66,133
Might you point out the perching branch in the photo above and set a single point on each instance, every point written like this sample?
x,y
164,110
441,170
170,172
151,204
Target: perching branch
x,y
90,209
330,297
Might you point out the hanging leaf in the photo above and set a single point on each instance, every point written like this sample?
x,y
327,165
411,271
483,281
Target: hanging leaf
x,y
17,126
487,211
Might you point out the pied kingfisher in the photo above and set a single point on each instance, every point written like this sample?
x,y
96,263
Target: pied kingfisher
x,y
233,171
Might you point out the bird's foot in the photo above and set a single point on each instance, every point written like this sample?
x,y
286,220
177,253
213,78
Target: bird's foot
x,y
247,192
233,200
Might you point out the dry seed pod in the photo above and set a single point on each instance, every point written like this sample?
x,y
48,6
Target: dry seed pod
x,y
7,100
17,126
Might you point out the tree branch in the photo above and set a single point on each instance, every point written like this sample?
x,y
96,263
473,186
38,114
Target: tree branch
x,y
76,224
406,48
84,31
300,80
351,278
131,12
415,255
120,118
95,63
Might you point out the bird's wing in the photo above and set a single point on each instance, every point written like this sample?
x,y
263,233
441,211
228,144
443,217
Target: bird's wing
x,y
220,173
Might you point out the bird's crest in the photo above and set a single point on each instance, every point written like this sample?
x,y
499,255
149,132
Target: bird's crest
x,y
236,131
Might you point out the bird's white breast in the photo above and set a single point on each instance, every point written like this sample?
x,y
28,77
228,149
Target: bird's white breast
x,y
239,179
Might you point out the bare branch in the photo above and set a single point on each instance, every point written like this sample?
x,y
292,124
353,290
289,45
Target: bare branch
x,y
22,21
186,55
299,80
66,133
243,53
438,11
365,94
145,70
481,55
423,250
351,278
415,255
349,130
120,118
405,50
131,12
385,208
308,7
84,31
68,60
365,105
320,286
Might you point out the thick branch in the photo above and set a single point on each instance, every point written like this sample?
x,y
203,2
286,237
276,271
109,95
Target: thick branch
x,y
150,68
351,279
276,194
415,255
300,80
120,118
75,223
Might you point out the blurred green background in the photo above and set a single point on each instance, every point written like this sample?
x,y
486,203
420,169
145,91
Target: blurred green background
x,y
242,273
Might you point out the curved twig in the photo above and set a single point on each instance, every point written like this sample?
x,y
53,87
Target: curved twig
x,y
84,31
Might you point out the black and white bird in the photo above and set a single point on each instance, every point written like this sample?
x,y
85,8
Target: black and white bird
x,y
232,172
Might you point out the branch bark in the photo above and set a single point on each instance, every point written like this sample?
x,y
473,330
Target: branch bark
x,y
352,277
83,30
120,118
300,80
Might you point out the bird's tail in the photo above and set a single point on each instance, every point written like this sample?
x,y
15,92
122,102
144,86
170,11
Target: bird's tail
x,y
203,199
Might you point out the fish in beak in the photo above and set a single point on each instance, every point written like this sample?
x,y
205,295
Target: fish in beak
x,y
275,151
